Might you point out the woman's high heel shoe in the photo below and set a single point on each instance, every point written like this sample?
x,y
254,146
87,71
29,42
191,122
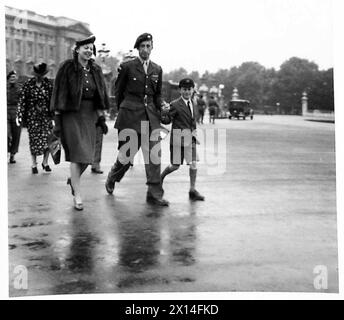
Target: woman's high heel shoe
x,y
69,181
78,205
46,167
34,170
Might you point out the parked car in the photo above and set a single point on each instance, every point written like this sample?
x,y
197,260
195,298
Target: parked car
x,y
240,109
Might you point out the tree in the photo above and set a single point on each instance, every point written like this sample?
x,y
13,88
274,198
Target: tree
x,y
267,87
294,77
194,75
175,75
321,93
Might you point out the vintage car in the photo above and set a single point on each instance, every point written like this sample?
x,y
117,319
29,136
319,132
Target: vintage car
x,y
240,109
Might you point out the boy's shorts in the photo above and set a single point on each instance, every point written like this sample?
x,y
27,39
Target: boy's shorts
x,y
179,153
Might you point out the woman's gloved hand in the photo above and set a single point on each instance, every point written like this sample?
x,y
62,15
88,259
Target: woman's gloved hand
x,y
101,123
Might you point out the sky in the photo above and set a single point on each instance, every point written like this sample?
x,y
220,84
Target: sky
x,y
206,35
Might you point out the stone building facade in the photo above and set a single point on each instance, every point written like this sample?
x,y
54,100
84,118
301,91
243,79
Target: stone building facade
x,y
33,38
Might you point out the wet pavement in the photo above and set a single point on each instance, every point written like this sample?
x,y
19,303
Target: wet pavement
x,y
268,220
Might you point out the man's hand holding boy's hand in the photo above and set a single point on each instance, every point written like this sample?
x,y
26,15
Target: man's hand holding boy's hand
x,y
165,106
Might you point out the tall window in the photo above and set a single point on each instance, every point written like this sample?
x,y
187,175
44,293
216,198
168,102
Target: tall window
x,y
30,49
52,52
8,50
41,51
18,48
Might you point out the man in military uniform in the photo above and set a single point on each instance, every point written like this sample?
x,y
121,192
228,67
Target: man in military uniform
x,y
138,96
13,129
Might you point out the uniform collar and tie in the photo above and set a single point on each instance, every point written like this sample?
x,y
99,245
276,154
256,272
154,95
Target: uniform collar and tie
x,y
188,103
145,64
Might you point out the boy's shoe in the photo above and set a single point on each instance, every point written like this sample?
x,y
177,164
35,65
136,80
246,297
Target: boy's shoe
x,y
194,195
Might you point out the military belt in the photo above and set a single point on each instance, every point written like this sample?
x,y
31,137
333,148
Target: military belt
x,y
145,99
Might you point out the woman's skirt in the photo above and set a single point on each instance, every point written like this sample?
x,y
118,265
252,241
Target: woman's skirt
x,y
79,133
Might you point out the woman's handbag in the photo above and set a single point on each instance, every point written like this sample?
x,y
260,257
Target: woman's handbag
x,y
54,145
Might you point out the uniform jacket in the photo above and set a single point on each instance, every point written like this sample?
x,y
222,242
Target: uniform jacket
x,y
68,84
181,118
13,92
138,95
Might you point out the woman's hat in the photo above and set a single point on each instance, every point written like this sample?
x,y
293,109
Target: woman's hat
x,y
87,40
10,74
41,69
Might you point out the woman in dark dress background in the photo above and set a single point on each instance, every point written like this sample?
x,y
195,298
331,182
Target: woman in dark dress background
x,y
33,108
78,100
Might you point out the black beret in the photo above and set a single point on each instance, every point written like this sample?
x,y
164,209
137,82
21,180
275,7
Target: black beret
x,y
87,40
186,83
141,38
11,73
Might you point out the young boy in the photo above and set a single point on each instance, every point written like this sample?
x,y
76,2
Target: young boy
x,y
182,114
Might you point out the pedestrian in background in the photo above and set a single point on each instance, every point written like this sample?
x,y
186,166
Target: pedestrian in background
x,y
201,106
13,130
79,100
33,109
182,113
101,129
212,107
138,96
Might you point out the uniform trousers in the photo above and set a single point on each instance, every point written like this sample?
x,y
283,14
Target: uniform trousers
x,y
13,133
152,158
98,149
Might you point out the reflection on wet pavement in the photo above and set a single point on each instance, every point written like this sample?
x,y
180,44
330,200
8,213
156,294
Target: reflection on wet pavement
x,y
129,248
139,244
142,253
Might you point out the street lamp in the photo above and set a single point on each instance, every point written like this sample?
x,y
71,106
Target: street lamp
x,y
221,98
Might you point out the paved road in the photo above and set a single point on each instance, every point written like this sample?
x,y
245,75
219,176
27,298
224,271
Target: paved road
x,y
268,221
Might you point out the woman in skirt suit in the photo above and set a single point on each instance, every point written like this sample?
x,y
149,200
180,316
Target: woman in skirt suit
x,y
79,100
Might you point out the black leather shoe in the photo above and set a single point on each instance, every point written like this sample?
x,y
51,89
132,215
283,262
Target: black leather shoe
x,y
34,170
12,159
98,171
69,181
195,196
109,186
157,202
46,168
